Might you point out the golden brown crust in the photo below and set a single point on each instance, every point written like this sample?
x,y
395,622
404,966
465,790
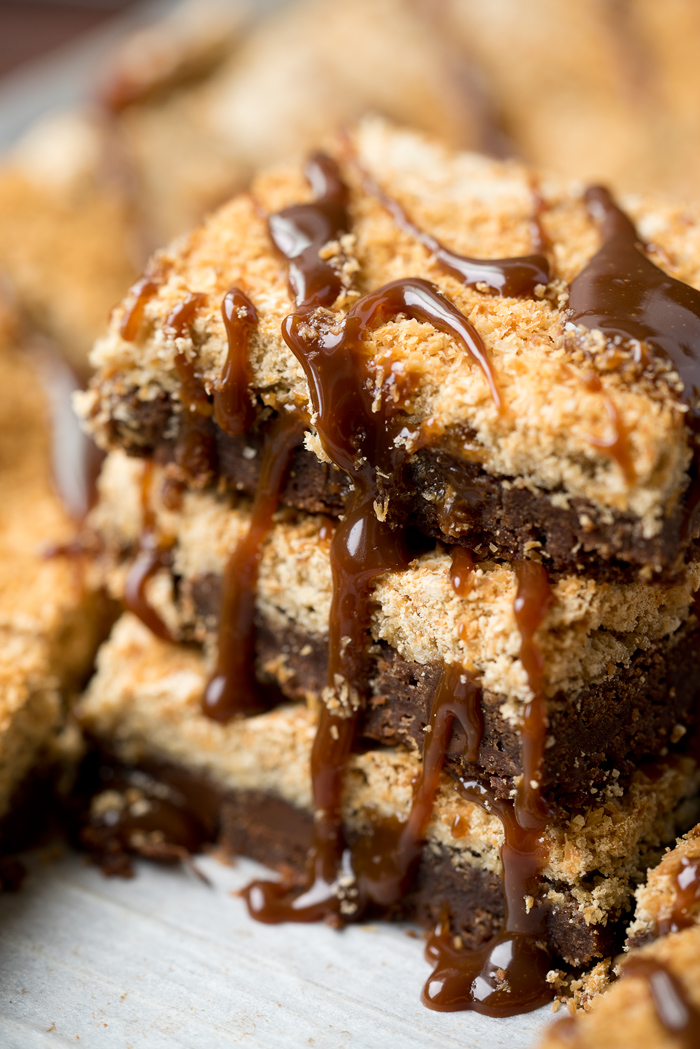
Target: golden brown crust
x,y
658,899
543,438
625,1015
50,621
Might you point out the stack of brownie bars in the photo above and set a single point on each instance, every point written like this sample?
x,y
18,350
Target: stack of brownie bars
x,y
399,500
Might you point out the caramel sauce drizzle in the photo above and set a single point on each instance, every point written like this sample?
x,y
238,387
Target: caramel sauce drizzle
x,y
384,860
461,570
361,441
379,865
301,231
675,1011
360,437
232,689
141,292
517,277
320,350
234,411
617,444
506,975
533,598
687,896
623,294
195,451
153,554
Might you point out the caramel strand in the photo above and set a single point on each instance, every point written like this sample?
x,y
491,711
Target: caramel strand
x,y
461,570
232,688
141,292
506,975
623,294
518,277
674,1009
195,449
686,898
617,444
533,598
153,554
233,409
301,231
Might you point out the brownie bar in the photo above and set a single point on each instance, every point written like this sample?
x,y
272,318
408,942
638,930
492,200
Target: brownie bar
x,y
656,1004
51,616
553,426
669,900
621,661
143,709
266,828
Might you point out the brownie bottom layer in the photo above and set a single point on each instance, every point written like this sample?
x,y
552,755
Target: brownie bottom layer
x,y
597,737
190,811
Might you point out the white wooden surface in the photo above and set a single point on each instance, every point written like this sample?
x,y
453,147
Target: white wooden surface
x,y
165,961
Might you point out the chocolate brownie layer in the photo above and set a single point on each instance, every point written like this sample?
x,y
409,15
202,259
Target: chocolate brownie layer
x,y
144,708
598,737
442,494
268,829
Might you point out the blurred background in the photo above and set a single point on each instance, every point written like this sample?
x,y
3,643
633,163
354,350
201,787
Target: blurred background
x,y
122,123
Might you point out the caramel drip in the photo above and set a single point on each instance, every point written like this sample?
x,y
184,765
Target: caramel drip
x,y
233,409
461,570
533,598
139,294
195,451
507,974
516,277
687,897
179,321
153,555
301,231
379,866
320,353
617,444
362,442
362,437
623,294
232,688
384,860
676,1013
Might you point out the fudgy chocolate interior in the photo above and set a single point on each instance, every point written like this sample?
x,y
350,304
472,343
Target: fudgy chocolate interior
x,y
599,734
446,496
